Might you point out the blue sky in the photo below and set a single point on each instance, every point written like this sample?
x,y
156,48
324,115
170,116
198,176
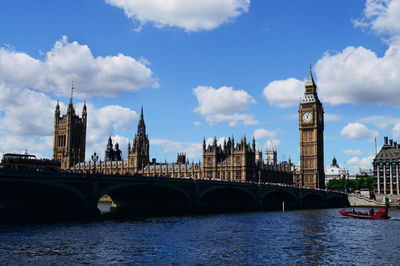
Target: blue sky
x,y
201,69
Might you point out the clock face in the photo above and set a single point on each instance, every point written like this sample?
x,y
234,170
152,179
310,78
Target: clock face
x,y
307,117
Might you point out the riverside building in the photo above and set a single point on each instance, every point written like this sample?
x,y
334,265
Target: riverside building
x,y
386,168
229,161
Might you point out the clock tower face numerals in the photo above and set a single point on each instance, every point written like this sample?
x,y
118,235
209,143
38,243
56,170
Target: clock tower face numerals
x,y
307,117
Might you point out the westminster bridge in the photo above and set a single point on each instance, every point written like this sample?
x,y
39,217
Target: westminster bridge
x,y
71,193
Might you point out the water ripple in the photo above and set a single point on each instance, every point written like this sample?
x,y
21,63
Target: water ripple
x,y
297,237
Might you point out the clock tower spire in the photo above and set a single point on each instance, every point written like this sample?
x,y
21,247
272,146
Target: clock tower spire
x,y
311,126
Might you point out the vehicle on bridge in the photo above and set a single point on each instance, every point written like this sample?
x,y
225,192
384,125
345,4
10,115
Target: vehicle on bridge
x,y
14,161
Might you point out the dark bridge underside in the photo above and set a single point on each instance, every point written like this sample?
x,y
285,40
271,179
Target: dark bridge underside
x,y
39,200
227,199
67,195
276,200
150,199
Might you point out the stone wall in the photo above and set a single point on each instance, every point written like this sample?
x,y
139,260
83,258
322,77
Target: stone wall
x,y
356,200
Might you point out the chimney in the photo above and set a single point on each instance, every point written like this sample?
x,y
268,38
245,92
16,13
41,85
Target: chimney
x,y
386,140
391,143
395,144
153,160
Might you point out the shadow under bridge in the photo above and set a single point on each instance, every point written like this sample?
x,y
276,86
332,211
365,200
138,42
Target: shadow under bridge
x,y
150,199
227,199
276,199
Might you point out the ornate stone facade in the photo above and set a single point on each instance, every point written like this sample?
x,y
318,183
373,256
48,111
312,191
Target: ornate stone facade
x,y
311,126
69,140
240,162
111,153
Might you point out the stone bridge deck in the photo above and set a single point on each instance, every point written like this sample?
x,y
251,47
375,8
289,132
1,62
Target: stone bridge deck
x,y
80,193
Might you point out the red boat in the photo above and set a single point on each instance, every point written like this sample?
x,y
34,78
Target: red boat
x,y
383,213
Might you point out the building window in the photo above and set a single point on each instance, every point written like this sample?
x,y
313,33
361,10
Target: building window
x,y
209,161
238,175
238,160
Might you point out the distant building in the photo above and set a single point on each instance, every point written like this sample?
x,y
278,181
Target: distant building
x,y
386,168
271,156
229,161
112,154
69,136
334,171
365,172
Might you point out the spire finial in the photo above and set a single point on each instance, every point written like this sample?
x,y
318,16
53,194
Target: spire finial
x,y
72,91
310,82
141,113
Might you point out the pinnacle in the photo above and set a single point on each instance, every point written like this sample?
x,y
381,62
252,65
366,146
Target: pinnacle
x,y
310,82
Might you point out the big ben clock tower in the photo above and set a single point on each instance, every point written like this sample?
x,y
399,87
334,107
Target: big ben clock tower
x,y
311,126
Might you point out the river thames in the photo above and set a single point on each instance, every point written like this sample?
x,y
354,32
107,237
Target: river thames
x,y
295,237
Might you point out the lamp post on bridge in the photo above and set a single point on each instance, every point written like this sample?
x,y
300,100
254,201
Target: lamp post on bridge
x,y
95,158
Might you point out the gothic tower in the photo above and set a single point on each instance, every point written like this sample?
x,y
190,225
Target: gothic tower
x,y
311,126
69,140
138,156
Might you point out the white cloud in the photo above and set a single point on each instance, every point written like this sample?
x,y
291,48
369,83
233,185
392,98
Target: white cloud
x,y
355,75
71,61
284,93
192,149
269,136
197,123
364,163
382,16
396,131
358,76
224,105
191,15
102,123
358,131
27,117
25,112
380,121
351,152
99,146
220,141
262,133
272,144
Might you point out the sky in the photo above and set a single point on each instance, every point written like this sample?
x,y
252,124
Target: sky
x,y
201,69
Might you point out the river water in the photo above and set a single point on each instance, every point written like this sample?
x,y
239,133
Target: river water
x,y
291,237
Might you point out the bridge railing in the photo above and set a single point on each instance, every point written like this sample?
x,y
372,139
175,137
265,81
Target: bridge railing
x,y
47,174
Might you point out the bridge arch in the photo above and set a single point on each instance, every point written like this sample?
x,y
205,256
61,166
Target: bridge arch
x,y
109,189
148,198
72,189
313,200
275,199
40,197
227,198
211,189
336,201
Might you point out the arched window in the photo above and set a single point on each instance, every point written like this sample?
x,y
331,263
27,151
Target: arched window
x,y
238,160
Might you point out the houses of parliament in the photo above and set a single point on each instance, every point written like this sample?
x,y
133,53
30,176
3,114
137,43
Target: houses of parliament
x,y
239,161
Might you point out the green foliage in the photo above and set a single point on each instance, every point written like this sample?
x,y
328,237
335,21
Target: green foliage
x,y
349,186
